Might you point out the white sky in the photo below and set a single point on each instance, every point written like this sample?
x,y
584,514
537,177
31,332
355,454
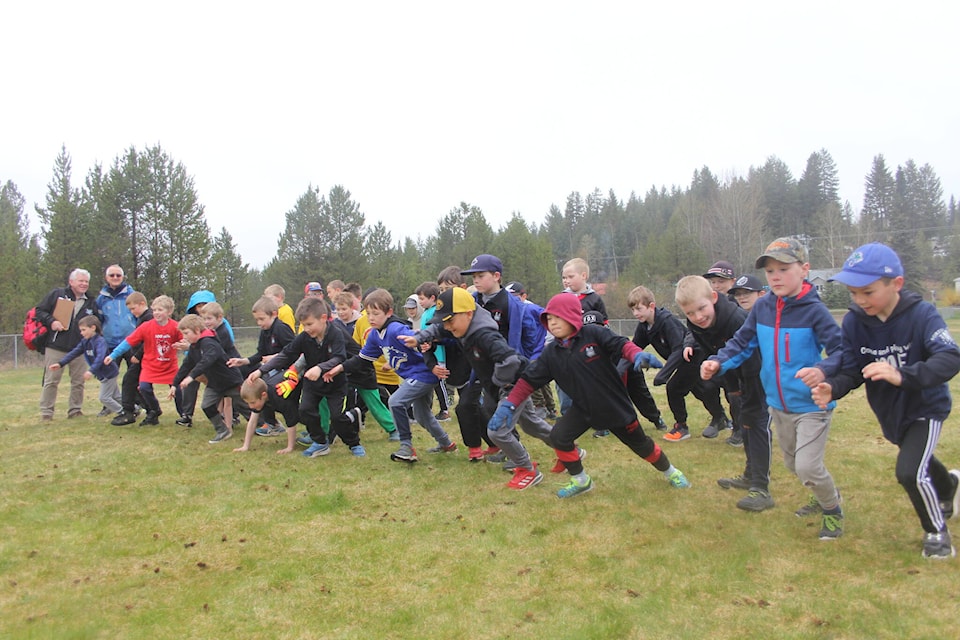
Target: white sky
x,y
510,106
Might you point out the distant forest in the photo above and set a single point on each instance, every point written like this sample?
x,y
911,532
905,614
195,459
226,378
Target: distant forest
x,y
143,213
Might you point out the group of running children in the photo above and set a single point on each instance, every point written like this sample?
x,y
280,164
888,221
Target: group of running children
x,y
779,357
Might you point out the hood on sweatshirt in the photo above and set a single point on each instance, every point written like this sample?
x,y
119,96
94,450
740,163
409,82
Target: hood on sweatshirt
x,y
200,297
565,306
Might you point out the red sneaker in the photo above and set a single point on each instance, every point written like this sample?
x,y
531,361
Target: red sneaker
x,y
476,454
525,478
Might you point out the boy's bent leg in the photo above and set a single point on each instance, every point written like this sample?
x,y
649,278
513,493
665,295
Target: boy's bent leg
x,y
77,368
347,429
507,440
310,410
640,396
913,461
570,426
110,395
128,389
786,431
423,411
473,427
399,401
379,411
813,428
530,421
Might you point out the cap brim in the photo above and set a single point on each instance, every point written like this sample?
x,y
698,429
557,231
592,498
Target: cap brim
x,y
852,279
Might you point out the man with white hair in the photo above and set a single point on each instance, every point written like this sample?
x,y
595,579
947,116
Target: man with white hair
x,y
63,337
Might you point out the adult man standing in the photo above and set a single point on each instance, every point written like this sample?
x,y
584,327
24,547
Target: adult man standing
x,y
118,321
62,338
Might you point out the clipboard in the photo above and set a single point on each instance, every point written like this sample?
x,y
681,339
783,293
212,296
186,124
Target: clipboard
x,y
64,311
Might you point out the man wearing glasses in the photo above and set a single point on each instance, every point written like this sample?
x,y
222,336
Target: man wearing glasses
x,y
118,321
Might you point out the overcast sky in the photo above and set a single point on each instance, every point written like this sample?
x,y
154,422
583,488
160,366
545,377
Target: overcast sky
x,y
510,106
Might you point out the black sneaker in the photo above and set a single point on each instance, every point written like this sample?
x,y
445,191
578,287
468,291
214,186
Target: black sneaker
x,y
152,419
660,425
757,500
735,439
185,421
937,546
736,482
123,418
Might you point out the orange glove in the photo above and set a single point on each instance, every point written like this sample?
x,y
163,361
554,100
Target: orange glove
x,y
290,381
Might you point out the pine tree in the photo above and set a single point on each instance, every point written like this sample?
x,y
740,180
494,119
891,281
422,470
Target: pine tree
x,y
227,275
878,194
67,236
19,255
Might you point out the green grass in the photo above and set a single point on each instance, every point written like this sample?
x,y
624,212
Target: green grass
x,y
122,532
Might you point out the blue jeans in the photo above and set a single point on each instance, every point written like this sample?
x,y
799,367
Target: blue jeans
x,y
419,395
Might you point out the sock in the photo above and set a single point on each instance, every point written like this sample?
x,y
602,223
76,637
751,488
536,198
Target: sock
x,y
581,478
669,471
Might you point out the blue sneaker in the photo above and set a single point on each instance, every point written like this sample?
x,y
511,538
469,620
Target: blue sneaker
x,y
573,488
316,450
358,451
678,480
305,439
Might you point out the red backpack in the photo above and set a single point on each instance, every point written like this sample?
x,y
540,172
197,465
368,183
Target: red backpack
x,y
34,332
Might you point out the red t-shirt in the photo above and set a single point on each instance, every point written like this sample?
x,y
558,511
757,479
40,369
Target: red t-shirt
x,y
159,363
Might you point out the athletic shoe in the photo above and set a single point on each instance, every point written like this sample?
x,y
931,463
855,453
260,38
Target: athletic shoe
x,y
476,454
660,425
735,439
832,526
937,546
552,415
450,448
812,508
406,453
226,434
496,458
358,450
525,478
152,419
305,439
951,505
394,436
715,427
270,430
736,482
316,450
678,433
123,418
443,416
573,488
185,421
757,500
509,466
678,480
559,467
104,412
75,414
601,433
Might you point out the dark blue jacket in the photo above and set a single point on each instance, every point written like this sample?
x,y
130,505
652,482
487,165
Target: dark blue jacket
x,y
916,341
94,350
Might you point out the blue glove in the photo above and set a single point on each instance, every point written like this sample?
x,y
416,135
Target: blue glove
x,y
502,416
646,360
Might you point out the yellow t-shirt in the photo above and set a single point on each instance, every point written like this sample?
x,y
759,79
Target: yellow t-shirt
x,y
385,375
285,313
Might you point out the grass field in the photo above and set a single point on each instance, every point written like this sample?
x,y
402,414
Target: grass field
x,y
127,532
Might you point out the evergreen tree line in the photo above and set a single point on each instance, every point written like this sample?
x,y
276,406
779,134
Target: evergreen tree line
x,y
143,213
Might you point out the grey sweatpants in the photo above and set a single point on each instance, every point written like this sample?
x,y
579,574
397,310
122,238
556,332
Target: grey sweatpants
x,y
532,424
803,440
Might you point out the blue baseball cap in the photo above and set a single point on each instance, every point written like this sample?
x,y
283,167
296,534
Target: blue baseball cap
x,y
868,264
484,262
